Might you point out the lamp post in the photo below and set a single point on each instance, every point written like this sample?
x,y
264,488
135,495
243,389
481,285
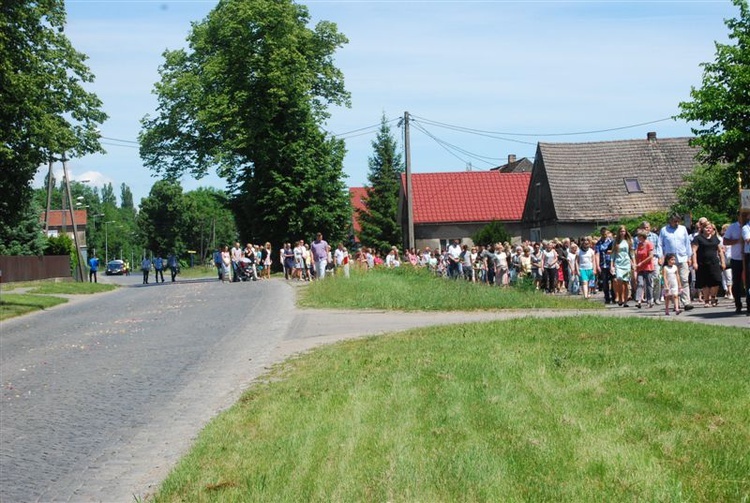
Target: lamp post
x,y
106,240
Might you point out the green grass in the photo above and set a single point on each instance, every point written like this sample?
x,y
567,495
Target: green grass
x,y
568,409
38,295
12,305
409,289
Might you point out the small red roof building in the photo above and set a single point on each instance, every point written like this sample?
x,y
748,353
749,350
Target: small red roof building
x,y
455,205
357,195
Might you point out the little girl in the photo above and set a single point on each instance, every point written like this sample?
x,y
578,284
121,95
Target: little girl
x,y
672,283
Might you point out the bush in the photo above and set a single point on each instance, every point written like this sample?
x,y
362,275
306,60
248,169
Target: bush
x,y
492,233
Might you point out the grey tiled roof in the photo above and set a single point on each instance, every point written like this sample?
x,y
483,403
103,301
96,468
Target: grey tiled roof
x,y
587,180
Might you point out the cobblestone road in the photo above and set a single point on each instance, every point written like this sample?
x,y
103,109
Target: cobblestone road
x,y
100,397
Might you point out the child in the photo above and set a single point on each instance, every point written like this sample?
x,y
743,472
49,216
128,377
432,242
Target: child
x,y
672,283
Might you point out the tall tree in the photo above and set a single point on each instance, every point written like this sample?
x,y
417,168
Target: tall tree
x,y
126,197
44,110
26,237
108,195
209,221
722,105
162,218
379,223
249,98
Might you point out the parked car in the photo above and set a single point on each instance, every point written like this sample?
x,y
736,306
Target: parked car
x,y
115,267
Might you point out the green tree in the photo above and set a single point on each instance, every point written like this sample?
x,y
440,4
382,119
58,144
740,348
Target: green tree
x,y
248,98
161,219
45,110
493,232
209,221
711,192
722,105
126,197
379,223
26,237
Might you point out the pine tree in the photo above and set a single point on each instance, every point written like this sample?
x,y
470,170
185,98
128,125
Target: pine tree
x,y
380,228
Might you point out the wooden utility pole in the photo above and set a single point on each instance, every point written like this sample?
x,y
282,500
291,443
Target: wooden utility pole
x,y
49,196
72,217
409,191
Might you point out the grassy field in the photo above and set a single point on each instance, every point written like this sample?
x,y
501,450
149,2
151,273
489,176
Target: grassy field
x,y
409,289
20,298
581,409
568,409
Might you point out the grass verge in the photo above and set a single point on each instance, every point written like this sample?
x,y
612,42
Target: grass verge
x,y
410,289
38,295
568,409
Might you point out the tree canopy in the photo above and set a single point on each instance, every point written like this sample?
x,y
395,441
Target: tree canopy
x,y
248,99
721,105
379,223
45,110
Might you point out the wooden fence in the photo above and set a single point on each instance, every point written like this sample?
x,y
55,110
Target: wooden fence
x,y
24,268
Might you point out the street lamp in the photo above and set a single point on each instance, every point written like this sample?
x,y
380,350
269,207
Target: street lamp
x,y
106,240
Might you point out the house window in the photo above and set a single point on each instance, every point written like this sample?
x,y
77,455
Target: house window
x,y
632,185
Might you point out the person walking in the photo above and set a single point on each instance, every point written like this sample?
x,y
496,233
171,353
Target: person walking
x,y
644,268
93,268
734,239
674,238
603,263
673,284
320,250
226,265
146,269
622,265
158,268
708,263
265,256
586,265
218,263
173,265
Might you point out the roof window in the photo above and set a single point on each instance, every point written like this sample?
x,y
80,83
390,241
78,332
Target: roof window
x,y
632,185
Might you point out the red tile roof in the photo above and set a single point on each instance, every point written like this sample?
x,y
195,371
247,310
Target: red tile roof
x,y
356,195
468,196
56,218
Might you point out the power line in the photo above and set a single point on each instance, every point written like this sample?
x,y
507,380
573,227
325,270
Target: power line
x,y
448,146
484,132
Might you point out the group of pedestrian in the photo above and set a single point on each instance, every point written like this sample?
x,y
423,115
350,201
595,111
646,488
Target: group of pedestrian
x,y
308,262
242,263
158,264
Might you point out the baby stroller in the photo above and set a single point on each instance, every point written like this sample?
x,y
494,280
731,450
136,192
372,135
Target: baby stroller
x,y
246,270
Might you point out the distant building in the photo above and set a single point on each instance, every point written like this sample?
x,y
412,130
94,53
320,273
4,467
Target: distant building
x,y
60,223
357,195
523,165
577,187
456,205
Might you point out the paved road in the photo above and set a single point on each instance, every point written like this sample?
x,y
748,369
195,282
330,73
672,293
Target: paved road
x,y
101,396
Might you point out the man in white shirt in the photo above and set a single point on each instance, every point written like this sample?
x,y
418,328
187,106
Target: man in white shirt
x,y
237,253
675,238
454,260
734,238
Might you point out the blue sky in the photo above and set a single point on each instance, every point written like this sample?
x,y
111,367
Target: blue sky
x,y
528,71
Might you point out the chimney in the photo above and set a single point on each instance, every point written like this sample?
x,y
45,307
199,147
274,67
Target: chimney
x,y
511,158
651,136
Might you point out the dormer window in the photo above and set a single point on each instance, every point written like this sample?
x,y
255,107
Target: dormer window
x,y
632,185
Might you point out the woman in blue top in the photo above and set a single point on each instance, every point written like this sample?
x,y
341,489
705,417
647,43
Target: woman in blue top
x,y
622,265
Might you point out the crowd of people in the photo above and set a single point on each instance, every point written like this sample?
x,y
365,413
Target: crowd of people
x,y
671,265
647,268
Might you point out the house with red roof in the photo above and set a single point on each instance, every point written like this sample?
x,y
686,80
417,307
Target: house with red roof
x,y
456,205
61,222
357,196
